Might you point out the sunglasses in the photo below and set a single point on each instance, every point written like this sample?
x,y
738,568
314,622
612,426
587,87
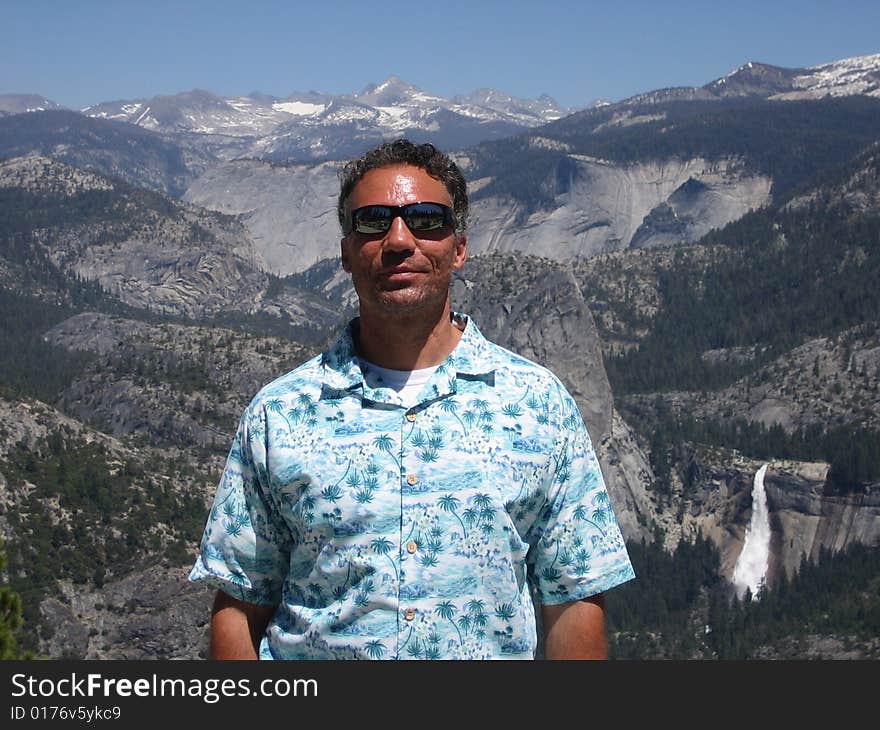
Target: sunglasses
x,y
419,218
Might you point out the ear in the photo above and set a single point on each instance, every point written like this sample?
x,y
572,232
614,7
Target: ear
x,y
343,255
460,252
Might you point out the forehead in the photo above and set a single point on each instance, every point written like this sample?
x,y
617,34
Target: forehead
x,y
397,185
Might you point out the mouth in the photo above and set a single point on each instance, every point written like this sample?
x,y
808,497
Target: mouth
x,y
400,273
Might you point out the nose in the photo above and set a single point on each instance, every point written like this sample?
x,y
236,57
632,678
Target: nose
x,y
399,237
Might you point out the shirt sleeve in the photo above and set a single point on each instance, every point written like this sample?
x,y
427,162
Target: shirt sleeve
x,y
577,549
245,548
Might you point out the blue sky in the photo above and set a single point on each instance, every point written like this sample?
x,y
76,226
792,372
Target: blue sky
x,y
83,52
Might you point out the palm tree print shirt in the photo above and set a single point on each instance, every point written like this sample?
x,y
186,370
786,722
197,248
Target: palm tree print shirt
x,y
386,532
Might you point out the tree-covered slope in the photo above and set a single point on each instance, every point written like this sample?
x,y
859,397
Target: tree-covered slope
x,y
802,268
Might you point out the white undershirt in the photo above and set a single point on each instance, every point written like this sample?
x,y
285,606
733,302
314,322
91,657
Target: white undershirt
x,y
407,383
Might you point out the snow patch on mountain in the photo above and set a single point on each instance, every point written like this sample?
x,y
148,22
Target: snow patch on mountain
x,y
858,75
298,108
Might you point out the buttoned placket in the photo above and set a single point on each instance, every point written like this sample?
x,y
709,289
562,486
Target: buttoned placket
x,y
413,482
409,478
440,387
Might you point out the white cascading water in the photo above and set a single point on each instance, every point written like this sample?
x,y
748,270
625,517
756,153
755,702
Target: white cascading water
x,y
751,565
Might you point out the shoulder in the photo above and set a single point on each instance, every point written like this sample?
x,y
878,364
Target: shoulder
x,y
304,381
526,387
477,353
514,368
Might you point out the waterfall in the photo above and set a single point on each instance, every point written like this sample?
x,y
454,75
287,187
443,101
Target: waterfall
x,y
751,565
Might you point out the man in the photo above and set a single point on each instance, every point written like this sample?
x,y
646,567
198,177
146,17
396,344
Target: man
x,y
396,496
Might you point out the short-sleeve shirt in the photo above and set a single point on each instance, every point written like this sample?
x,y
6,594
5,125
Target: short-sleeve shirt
x,y
386,532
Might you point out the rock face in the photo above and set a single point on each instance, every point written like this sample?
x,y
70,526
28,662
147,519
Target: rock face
x,y
289,210
718,506
803,520
806,520
168,383
150,614
602,206
169,276
146,250
628,475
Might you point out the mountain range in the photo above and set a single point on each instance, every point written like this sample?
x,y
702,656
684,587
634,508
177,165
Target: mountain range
x,y
315,126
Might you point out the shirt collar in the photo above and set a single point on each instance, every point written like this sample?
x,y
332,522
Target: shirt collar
x,y
473,357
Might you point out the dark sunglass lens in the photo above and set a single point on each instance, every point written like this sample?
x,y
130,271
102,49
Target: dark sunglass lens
x,y
419,217
425,217
372,219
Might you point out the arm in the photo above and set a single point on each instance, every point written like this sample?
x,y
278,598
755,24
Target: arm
x,y
237,627
575,630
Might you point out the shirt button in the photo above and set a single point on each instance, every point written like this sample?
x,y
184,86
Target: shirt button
x,y
412,479
410,417
409,614
411,547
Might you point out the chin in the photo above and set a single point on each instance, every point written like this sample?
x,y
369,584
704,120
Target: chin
x,y
404,300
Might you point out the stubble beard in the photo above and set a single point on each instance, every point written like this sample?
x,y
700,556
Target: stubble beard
x,y
408,301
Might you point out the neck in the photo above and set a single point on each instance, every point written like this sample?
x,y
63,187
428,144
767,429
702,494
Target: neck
x,y
408,340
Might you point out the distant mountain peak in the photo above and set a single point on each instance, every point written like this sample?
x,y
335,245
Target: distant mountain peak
x,y
754,79
393,90
393,82
22,103
261,97
855,75
545,107
486,95
193,96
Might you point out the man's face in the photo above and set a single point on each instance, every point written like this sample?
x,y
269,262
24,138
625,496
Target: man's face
x,y
399,271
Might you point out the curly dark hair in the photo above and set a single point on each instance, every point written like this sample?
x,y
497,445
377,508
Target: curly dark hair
x,y
403,152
